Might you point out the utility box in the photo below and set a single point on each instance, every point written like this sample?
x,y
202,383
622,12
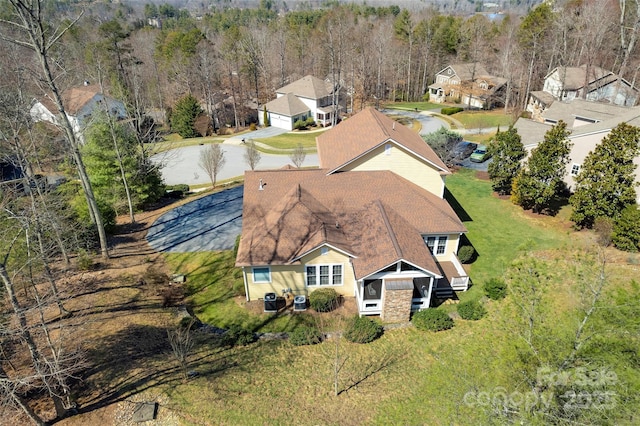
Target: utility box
x,y
270,302
300,303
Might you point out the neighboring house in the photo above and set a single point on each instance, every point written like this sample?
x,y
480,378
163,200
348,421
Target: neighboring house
x,y
468,84
370,223
595,84
588,122
80,103
306,97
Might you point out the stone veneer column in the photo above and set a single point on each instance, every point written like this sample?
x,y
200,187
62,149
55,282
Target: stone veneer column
x,y
396,302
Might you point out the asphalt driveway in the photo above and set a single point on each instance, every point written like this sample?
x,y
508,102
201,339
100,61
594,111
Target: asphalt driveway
x,y
208,224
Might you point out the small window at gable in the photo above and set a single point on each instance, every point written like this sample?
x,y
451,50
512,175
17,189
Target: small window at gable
x,y
387,149
324,251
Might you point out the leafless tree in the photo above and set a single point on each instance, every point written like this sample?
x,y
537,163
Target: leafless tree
x,y
251,154
298,155
181,342
211,161
29,19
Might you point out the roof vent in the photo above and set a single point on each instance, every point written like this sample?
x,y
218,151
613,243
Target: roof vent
x,y
337,225
394,125
261,186
86,82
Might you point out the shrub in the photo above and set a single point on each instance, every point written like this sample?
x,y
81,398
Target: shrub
x,y
236,335
362,330
466,254
252,126
177,191
85,262
305,335
300,125
471,310
323,300
495,289
451,110
432,320
310,122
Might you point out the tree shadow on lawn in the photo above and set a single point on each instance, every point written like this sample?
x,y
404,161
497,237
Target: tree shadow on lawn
x,y
138,358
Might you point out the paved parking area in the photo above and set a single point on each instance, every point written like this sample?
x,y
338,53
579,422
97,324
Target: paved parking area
x,y
208,224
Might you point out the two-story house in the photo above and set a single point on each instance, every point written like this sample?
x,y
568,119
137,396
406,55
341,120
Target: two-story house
x,y
370,223
306,97
469,84
593,84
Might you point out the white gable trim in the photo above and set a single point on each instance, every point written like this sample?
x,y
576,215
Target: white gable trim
x,y
383,143
403,274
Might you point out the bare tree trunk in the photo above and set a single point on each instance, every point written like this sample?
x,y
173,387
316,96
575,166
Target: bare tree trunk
x,y
31,22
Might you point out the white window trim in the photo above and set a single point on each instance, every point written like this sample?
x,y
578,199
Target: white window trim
x,y
577,171
435,244
253,274
317,268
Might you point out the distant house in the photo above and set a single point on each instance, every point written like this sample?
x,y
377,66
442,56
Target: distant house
x,y
306,97
595,84
468,84
370,223
80,104
589,123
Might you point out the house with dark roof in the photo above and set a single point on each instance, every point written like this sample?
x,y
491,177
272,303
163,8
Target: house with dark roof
x,y
80,103
306,97
469,84
371,222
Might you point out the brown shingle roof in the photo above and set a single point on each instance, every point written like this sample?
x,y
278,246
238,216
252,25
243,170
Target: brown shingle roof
x,y
366,131
73,99
297,211
288,105
307,87
384,237
469,70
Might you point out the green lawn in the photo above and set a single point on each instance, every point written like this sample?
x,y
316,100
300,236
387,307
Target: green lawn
x,y
174,141
484,119
291,140
498,229
412,106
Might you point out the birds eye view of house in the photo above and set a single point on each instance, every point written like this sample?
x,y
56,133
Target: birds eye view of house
x,y
371,222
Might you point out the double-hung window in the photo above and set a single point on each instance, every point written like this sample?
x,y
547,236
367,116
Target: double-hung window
x,y
437,244
324,275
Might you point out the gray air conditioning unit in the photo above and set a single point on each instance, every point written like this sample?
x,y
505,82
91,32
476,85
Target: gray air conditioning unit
x,y
300,303
270,302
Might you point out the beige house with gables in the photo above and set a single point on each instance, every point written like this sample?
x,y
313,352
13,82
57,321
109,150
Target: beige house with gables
x,y
370,223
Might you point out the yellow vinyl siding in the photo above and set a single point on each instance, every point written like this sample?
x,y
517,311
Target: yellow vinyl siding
x,y
403,164
293,276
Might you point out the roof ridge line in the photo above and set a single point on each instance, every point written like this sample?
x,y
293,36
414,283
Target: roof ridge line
x,y
387,223
379,121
